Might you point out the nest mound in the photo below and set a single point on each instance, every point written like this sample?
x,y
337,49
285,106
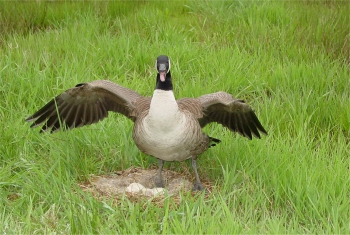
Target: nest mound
x,y
139,183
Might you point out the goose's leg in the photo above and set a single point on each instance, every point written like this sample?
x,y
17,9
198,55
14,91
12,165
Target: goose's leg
x,y
159,180
197,185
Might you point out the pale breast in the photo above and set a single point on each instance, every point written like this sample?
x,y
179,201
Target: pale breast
x,y
168,133
176,142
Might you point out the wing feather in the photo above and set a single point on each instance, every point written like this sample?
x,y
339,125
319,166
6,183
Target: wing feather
x,y
245,123
78,118
85,104
239,125
232,113
254,130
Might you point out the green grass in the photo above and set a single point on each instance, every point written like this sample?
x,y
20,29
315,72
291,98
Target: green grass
x,y
288,59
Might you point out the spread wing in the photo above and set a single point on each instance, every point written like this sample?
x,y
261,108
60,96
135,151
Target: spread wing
x,y
222,108
85,104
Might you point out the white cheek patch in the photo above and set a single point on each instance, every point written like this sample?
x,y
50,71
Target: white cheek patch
x,y
169,66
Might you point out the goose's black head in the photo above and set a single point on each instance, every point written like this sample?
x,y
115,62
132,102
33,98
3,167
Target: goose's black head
x,y
163,77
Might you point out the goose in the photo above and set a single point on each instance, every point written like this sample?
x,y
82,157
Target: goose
x,y
165,128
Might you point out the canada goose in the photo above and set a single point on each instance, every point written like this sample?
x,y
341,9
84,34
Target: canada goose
x,y
167,129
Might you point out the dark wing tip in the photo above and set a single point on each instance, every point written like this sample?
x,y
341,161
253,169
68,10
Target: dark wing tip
x,y
257,123
232,113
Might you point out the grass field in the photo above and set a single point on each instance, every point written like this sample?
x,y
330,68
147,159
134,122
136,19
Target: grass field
x,y
288,59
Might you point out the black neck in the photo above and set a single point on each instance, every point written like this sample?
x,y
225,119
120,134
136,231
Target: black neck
x,y
167,85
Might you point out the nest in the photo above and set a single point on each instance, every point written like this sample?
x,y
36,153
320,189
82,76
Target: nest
x,y
138,184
